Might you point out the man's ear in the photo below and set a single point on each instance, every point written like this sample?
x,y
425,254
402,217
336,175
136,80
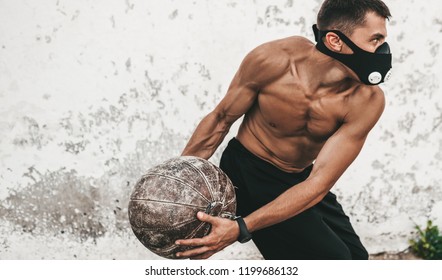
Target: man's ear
x,y
333,41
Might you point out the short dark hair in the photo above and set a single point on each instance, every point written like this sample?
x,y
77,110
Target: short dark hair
x,y
346,15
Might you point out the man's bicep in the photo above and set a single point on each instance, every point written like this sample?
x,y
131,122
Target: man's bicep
x,y
236,102
336,155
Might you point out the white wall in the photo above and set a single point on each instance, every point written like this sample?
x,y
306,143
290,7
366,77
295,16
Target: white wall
x,y
93,93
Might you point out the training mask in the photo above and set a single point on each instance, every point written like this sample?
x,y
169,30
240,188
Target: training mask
x,y
371,68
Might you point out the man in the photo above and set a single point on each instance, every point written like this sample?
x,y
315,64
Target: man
x,y
301,104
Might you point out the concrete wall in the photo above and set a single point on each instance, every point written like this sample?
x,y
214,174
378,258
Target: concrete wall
x,y
93,93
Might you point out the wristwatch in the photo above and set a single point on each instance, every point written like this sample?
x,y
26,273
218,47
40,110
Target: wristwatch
x,y
244,234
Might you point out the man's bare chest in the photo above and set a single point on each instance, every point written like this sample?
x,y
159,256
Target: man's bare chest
x,y
290,109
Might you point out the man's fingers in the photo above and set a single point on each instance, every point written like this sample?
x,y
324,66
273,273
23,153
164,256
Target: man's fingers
x,y
205,247
198,241
205,217
194,242
190,242
193,252
208,254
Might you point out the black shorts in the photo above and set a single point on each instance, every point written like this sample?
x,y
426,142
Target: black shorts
x,y
321,232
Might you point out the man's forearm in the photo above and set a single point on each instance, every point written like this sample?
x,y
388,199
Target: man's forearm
x,y
289,204
207,136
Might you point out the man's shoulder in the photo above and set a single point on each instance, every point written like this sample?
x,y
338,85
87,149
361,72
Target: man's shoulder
x,y
269,60
365,93
278,53
285,44
366,101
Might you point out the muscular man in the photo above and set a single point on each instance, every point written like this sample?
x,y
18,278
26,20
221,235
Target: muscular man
x,y
302,104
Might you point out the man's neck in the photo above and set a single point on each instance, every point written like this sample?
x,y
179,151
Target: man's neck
x,y
330,72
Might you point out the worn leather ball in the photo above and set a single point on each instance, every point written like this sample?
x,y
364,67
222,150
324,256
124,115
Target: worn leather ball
x,y
165,201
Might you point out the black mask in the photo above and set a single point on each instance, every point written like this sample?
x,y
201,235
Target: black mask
x,y
371,68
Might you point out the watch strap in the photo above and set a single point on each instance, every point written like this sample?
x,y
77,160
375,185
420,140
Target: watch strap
x,y
244,234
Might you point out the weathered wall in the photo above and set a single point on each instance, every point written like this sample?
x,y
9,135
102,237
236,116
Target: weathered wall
x,y
93,93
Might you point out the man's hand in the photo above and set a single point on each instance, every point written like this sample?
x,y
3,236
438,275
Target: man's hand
x,y
224,233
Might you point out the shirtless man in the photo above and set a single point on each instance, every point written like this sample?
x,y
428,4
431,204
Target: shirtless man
x,y
301,104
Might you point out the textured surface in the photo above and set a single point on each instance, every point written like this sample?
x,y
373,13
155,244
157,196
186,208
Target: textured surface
x,y
94,93
165,201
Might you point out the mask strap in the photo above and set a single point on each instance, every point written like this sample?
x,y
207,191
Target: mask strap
x,y
319,34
